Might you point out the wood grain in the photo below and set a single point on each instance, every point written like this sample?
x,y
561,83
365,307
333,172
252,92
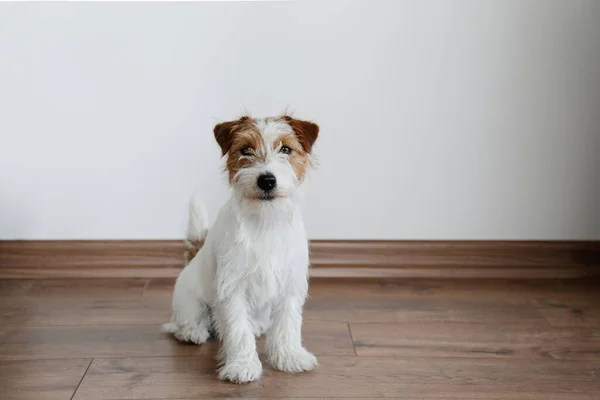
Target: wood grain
x,y
357,259
367,377
426,302
448,254
105,272
40,379
46,342
475,340
409,301
85,311
579,307
64,254
80,289
357,273
572,316
484,339
75,302
419,310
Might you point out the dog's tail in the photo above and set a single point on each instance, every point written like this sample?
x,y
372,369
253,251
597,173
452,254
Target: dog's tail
x,y
197,228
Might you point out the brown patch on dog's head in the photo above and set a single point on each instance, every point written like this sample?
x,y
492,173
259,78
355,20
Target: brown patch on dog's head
x,y
299,158
306,131
234,137
225,131
247,147
300,142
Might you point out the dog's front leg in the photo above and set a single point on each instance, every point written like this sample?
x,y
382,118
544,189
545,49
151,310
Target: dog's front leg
x,y
284,338
239,356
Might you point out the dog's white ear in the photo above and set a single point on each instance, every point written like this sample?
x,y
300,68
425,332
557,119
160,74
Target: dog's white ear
x,y
306,131
225,131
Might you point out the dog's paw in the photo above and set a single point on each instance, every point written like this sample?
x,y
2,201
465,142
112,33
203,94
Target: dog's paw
x,y
241,370
187,333
294,360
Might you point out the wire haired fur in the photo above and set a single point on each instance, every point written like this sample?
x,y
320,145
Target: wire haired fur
x,y
248,275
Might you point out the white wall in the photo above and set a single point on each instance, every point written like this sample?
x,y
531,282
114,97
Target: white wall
x,y
440,119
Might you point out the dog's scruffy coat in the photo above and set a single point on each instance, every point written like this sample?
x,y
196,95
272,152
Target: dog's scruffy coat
x,y
249,274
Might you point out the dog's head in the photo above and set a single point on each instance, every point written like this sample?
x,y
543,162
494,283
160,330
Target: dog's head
x,y
267,159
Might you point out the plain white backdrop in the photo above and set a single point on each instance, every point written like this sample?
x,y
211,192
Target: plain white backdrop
x,y
439,119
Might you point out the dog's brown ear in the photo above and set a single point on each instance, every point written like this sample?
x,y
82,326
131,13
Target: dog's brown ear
x,y
225,131
306,131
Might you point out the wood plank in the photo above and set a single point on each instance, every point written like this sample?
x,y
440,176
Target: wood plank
x,y
475,340
399,312
40,379
455,253
21,343
367,377
450,272
571,306
457,339
89,341
159,288
358,259
358,273
509,292
78,272
410,301
564,309
86,311
493,292
45,289
418,301
73,302
35,254
572,316
422,312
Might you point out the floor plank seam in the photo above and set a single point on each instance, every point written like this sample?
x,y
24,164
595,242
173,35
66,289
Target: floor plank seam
x,y
145,287
538,310
352,339
82,378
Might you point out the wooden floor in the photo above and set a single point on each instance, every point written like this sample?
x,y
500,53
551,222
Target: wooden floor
x,y
425,339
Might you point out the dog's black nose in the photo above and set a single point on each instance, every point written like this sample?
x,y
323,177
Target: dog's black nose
x,y
266,182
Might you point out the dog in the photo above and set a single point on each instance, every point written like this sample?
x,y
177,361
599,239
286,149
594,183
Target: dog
x,y
248,275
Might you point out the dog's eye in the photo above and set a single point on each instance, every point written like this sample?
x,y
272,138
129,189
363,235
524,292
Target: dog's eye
x,y
246,151
285,150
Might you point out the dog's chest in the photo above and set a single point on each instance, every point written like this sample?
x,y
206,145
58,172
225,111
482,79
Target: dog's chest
x,y
268,262
268,259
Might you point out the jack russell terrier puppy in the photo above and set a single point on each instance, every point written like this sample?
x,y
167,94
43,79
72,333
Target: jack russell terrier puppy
x,y
249,274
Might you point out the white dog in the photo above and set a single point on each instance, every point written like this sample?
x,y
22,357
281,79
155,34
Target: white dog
x,y
249,275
